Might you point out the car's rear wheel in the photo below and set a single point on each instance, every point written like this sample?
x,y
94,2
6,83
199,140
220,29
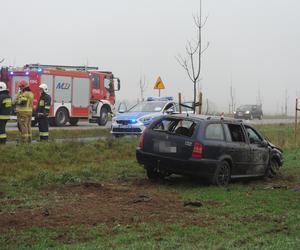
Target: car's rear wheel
x,y
273,169
222,174
152,174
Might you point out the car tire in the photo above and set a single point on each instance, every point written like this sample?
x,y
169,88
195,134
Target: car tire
x,y
103,117
152,174
222,175
273,169
73,121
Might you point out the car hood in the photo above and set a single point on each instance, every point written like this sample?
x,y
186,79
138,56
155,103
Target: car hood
x,y
134,115
274,146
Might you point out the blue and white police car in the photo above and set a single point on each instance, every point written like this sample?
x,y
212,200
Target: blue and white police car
x,y
137,118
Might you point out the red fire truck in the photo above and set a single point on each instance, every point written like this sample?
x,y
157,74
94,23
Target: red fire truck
x,y
76,91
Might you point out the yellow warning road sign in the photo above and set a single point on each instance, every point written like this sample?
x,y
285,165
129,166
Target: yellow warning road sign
x,y
159,84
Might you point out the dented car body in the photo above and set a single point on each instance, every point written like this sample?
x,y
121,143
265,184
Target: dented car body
x,y
210,147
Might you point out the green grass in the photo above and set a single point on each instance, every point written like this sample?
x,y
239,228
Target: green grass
x,y
62,133
243,216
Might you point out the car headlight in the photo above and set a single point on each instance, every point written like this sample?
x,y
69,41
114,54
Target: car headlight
x,y
146,119
247,112
114,119
234,112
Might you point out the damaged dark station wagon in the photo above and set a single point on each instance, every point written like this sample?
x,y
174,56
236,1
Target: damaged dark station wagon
x,y
211,147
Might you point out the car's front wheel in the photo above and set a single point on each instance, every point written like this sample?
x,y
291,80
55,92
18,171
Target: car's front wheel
x,y
222,174
273,169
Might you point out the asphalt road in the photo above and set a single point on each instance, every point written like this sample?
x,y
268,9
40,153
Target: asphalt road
x,y
87,125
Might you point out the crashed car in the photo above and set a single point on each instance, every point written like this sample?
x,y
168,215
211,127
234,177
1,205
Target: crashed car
x,y
214,148
136,119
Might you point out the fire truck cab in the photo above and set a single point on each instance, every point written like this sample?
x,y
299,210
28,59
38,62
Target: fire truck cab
x,y
76,91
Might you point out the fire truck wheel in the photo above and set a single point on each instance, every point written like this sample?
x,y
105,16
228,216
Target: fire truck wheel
x,y
52,122
61,117
73,121
103,117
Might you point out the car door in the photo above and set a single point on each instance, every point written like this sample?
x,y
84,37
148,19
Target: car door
x,y
238,148
259,152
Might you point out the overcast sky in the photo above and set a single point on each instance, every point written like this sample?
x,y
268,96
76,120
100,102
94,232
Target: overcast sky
x,y
256,43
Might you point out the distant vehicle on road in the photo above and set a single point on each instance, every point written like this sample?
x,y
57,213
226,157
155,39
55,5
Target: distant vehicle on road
x,y
249,112
213,148
137,118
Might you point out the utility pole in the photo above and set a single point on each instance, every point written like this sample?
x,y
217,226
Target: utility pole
x,y
286,103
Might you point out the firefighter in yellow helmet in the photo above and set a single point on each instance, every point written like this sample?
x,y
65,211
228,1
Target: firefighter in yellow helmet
x,y
5,111
24,106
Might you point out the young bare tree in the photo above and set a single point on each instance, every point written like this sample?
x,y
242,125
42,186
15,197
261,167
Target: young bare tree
x,y
192,61
143,86
1,60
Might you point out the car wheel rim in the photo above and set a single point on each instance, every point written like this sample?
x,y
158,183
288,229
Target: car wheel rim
x,y
274,166
223,175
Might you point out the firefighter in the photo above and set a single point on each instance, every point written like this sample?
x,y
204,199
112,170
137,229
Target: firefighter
x,y
24,106
5,110
43,112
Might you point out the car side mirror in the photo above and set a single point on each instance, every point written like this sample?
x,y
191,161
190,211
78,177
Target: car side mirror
x,y
264,143
170,111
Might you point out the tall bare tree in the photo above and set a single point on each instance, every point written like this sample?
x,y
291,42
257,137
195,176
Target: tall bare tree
x,y
192,61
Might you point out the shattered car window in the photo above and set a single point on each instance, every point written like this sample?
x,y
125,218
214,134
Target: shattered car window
x,y
176,126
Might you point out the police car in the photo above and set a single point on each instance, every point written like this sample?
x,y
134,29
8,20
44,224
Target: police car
x,y
137,118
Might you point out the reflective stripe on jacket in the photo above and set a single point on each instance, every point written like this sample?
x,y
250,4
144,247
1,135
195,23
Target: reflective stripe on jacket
x,y
25,102
5,105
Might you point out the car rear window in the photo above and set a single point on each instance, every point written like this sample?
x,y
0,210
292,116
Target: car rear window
x,y
180,127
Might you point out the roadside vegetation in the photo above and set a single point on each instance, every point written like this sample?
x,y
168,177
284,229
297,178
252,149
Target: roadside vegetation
x,y
94,195
63,133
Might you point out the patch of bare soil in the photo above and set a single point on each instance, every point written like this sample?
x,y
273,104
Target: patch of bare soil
x,y
106,203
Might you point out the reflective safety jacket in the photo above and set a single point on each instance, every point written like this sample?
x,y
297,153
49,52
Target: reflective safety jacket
x,y
5,105
24,101
44,105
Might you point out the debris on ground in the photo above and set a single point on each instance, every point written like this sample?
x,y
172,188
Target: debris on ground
x,y
193,203
276,187
142,198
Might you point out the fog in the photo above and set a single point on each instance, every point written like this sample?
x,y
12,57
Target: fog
x,y
254,45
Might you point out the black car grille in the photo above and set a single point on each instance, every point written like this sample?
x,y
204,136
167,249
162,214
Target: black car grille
x,y
125,122
128,130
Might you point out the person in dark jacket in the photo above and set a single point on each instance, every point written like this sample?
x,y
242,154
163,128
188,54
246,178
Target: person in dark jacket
x,y
5,111
43,110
